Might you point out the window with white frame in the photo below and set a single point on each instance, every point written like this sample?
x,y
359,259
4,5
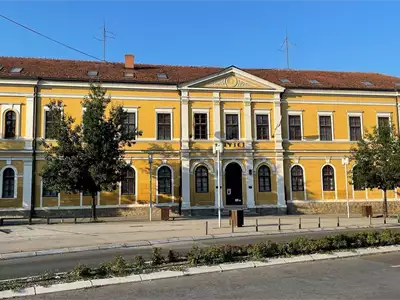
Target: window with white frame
x,y
325,127
328,178
355,127
383,119
295,126
8,188
130,124
164,125
164,177
232,126
10,125
262,126
128,182
200,125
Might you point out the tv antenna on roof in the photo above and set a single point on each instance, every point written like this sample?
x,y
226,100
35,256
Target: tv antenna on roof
x,y
285,48
105,35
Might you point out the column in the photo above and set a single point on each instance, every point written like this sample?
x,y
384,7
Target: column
x,y
185,120
27,187
247,121
29,123
217,116
279,157
186,182
250,183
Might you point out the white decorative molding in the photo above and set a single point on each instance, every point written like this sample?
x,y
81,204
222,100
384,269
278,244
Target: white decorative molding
x,y
250,188
27,185
185,183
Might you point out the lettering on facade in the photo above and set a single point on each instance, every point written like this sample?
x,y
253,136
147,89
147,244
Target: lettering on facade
x,y
234,145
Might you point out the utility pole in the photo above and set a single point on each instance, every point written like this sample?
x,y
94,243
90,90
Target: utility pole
x,y
104,36
286,43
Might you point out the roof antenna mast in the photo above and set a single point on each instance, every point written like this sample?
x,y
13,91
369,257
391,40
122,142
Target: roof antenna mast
x,y
285,48
105,34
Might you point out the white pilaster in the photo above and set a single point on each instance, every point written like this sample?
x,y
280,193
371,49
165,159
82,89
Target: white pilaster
x,y
247,120
218,188
29,123
185,120
217,116
250,183
186,182
280,180
278,123
27,187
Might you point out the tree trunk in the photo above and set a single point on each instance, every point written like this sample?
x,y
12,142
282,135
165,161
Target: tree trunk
x,y
94,217
385,206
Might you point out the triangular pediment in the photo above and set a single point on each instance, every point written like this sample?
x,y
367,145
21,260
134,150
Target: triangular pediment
x,y
232,78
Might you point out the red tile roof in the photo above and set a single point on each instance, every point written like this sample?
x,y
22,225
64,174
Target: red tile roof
x,y
58,69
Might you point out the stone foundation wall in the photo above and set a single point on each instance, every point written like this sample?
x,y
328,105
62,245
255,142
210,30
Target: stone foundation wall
x,y
139,212
341,208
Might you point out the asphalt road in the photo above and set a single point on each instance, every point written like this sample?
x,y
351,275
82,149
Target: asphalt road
x,y
22,267
368,277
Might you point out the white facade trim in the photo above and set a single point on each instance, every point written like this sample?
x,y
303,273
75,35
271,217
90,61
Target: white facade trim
x,y
342,92
27,184
227,162
270,165
16,108
202,163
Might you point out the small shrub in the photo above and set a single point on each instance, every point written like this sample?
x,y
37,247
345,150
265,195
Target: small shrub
x,y
214,255
80,271
118,266
173,256
195,255
139,262
387,237
338,241
157,258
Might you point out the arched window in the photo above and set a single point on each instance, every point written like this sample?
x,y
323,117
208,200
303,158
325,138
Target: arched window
x,y
328,178
357,187
264,179
164,181
128,182
201,180
297,179
10,125
8,183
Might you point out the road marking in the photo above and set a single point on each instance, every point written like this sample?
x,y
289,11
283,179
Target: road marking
x,y
396,266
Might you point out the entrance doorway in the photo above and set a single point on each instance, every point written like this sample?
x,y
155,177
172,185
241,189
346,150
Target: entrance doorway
x,y
233,184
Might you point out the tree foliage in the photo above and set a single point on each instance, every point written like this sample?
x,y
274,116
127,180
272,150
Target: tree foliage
x,y
87,157
377,161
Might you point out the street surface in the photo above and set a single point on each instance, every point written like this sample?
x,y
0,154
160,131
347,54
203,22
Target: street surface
x,y
368,277
22,267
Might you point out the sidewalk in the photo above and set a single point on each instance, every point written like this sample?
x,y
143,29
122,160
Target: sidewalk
x,y
31,238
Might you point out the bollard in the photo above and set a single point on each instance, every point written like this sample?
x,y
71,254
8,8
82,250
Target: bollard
x,y
398,218
30,221
279,224
319,222
370,220
233,226
1,222
75,220
206,227
62,220
256,225
338,225
48,221
299,223
384,218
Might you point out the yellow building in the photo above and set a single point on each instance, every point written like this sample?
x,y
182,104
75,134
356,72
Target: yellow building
x,y
282,136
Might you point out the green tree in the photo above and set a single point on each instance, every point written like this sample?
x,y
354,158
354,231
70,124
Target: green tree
x,y
87,157
377,161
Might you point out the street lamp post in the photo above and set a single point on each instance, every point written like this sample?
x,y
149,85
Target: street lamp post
x,y
151,186
345,162
218,184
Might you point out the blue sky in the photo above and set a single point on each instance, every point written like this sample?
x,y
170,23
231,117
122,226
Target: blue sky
x,y
337,35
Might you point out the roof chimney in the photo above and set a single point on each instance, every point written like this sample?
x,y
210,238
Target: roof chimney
x,y
129,61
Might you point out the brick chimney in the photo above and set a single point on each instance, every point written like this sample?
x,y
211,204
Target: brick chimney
x,y
129,61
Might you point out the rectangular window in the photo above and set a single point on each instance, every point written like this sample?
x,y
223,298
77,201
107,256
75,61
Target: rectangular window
x,y
294,128
200,126
232,126
48,125
355,128
47,192
262,127
383,121
163,126
325,128
130,124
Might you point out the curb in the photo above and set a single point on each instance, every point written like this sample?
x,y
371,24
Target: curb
x,y
38,290
150,243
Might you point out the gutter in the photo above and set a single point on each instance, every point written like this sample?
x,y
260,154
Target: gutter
x,y
34,147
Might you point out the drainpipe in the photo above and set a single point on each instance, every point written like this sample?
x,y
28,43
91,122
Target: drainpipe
x,y
33,187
